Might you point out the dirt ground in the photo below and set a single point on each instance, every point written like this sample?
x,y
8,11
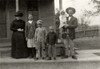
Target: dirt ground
x,y
87,43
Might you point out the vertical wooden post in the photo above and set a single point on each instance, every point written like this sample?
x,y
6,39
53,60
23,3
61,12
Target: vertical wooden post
x,y
60,4
17,5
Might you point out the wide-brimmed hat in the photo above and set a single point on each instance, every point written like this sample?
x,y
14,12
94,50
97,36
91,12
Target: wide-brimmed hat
x,y
71,8
18,14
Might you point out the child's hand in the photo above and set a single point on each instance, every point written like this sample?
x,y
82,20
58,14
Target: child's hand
x,y
22,29
35,40
66,25
55,44
26,38
47,44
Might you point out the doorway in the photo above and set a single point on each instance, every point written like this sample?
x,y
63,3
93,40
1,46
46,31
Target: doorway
x,y
3,29
32,8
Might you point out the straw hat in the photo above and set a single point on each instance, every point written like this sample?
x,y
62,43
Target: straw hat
x,y
71,8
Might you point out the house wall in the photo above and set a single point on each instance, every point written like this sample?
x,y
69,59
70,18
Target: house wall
x,y
45,13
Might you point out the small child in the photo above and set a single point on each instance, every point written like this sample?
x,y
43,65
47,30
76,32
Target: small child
x,y
40,38
51,41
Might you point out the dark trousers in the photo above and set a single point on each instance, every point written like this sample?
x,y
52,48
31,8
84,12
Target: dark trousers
x,y
52,51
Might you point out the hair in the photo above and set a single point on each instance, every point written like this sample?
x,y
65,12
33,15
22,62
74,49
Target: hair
x,y
30,15
39,21
62,11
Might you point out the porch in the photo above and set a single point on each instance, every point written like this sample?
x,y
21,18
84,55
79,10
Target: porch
x,y
87,59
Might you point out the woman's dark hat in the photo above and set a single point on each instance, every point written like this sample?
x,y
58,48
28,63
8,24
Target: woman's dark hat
x,y
18,14
71,8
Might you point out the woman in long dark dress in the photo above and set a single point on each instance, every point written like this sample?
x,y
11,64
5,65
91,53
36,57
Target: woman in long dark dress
x,y
19,46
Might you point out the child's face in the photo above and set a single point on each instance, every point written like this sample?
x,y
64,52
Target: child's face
x,y
39,25
51,30
65,25
30,18
62,13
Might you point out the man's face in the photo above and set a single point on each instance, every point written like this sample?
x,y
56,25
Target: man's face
x,y
70,12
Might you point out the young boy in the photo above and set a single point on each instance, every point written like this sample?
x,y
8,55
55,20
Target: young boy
x,y
51,41
40,38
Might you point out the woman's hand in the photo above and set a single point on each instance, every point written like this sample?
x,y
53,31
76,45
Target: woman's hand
x,y
20,30
66,25
59,40
35,40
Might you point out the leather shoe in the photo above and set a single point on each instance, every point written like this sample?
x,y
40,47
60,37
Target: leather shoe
x,y
74,57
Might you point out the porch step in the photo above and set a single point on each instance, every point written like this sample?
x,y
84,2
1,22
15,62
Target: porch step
x,y
86,60
5,49
48,64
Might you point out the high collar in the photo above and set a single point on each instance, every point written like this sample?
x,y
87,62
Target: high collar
x,y
30,21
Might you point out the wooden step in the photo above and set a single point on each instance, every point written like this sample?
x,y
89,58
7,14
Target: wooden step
x,y
86,60
5,50
48,64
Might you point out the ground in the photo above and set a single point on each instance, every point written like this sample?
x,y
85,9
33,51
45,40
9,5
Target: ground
x,y
88,58
88,43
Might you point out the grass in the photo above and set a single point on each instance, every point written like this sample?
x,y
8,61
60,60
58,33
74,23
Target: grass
x,y
87,43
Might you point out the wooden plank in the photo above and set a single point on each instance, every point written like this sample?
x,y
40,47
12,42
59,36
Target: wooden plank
x,y
17,5
3,32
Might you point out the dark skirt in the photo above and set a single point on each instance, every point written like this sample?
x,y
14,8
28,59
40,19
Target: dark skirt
x,y
19,46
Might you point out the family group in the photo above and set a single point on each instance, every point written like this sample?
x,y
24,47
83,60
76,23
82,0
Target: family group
x,y
32,39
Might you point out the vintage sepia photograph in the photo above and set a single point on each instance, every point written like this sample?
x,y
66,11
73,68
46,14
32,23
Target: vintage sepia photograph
x,y
49,34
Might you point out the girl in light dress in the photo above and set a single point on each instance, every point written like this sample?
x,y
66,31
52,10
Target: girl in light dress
x,y
30,32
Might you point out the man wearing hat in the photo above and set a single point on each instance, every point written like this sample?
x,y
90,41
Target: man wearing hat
x,y
70,29
19,48
71,22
